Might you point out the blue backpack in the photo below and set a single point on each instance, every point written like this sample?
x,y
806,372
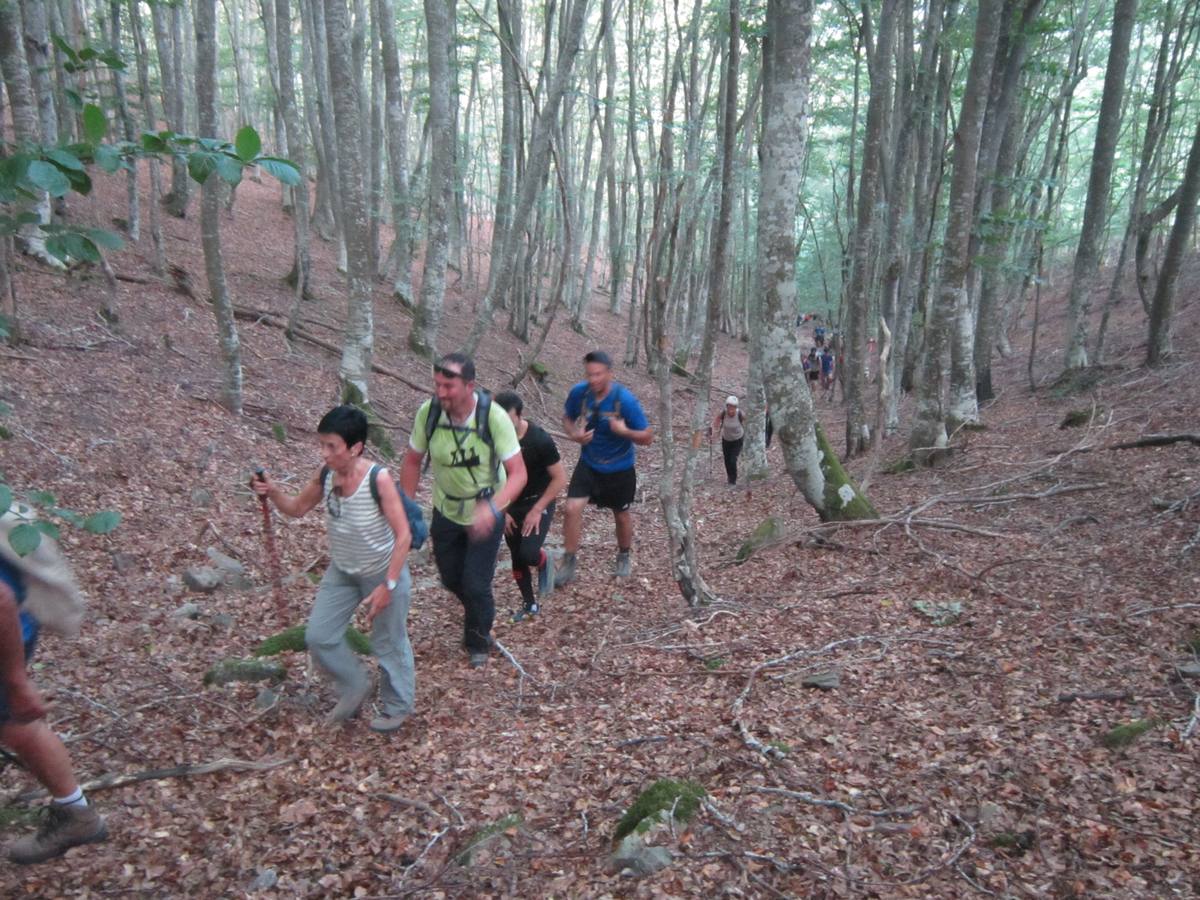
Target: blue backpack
x,y
417,527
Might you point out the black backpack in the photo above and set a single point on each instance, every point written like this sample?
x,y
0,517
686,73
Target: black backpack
x,y
417,528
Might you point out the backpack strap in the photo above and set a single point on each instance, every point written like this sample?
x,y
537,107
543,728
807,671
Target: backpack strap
x,y
373,478
483,428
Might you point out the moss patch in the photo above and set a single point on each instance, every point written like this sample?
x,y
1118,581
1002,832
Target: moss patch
x,y
678,798
900,466
228,670
1124,735
292,640
843,500
768,531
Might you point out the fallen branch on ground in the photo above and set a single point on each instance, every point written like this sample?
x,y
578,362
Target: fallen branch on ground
x,y
116,780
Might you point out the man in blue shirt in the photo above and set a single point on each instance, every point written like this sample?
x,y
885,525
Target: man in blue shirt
x,y
606,420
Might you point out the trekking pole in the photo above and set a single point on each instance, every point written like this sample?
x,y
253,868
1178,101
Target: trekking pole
x,y
272,552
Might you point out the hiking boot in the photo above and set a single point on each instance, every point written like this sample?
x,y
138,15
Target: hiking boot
x,y
349,703
388,724
546,577
529,612
478,659
624,564
64,827
566,570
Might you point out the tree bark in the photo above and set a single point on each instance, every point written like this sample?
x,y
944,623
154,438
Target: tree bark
x,y
358,342
1163,308
535,172
290,113
1095,210
396,117
439,26
928,436
159,258
210,210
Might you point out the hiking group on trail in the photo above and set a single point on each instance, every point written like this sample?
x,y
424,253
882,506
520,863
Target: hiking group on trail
x,y
495,474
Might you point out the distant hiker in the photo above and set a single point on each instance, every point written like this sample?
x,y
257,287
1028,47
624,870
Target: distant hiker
x,y
819,335
827,369
27,582
528,519
477,473
612,423
730,424
812,368
768,427
369,540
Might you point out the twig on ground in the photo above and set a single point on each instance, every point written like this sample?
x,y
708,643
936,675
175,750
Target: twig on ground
x,y
900,812
115,780
1153,609
653,739
412,804
1194,720
1095,695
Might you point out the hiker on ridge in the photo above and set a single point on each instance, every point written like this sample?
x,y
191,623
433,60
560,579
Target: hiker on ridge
x,y
477,473
368,547
613,422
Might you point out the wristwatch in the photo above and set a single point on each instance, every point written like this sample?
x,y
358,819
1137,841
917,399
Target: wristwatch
x,y
392,584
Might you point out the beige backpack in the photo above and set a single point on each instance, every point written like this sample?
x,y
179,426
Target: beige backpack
x,y
52,594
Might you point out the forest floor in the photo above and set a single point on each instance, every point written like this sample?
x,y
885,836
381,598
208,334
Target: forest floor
x,y
960,752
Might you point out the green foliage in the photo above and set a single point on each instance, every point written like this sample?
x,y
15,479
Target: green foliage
x,y
36,510
247,144
680,799
292,641
1124,735
1192,642
714,662
279,432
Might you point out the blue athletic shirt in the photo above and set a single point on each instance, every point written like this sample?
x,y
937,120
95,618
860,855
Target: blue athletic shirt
x,y
606,452
10,575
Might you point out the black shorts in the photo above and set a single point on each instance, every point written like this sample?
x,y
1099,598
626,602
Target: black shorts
x,y
607,490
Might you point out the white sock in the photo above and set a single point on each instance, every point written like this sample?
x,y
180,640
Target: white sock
x,y
75,798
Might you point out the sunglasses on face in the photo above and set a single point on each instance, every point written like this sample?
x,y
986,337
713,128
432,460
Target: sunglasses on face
x,y
446,373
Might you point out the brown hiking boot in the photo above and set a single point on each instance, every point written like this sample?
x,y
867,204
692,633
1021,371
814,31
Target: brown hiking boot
x,y
64,827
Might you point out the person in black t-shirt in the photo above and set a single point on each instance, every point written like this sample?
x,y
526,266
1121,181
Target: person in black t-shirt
x,y
528,518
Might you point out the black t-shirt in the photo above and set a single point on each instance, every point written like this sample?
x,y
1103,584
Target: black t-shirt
x,y
540,453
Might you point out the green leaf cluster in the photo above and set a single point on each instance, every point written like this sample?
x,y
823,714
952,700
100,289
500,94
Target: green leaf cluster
x,y
35,509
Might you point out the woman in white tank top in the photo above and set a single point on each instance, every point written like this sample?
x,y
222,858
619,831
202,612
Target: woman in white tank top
x,y
731,423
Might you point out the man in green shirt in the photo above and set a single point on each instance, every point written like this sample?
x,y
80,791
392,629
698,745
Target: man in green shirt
x,y
477,472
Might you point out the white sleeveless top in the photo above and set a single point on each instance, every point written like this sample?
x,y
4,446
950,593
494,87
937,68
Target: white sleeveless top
x,y
360,538
731,427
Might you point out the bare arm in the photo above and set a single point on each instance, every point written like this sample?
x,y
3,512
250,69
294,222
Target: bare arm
x,y
558,481
410,472
572,430
514,467
23,701
294,505
393,510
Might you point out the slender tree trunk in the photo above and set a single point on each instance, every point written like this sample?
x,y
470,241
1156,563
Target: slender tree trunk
x,y
22,107
1163,308
439,24
290,114
858,298
355,370
175,201
210,210
535,173
928,435
1095,211
134,222
159,258
396,116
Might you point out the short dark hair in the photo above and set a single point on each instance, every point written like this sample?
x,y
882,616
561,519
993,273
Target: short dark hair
x,y
347,422
466,365
598,356
509,401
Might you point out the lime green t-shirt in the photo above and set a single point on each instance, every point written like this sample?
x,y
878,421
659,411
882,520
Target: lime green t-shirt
x,y
460,458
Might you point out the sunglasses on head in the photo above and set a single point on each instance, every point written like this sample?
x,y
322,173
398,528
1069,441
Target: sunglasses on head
x,y
447,373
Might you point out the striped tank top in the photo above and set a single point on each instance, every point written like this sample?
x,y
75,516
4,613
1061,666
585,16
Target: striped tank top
x,y
360,538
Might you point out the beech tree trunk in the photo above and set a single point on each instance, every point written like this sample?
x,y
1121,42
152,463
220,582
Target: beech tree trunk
x,y
290,114
928,437
439,26
1095,210
1163,308
396,119
358,342
210,211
